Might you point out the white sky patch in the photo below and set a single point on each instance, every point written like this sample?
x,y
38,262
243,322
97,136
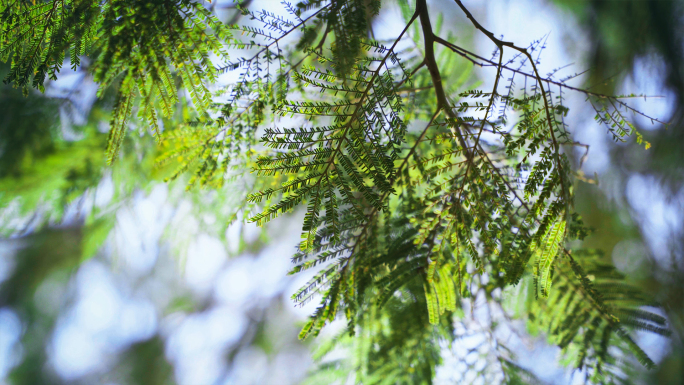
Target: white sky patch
x,y
648,78
660,219
73,352
197,345
100,324
233,235
10,332
206,256
137,321
236,284
99,302
104,193
248,368
139,227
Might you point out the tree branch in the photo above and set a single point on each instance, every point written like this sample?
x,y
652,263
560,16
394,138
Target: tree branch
x,y
500,43
433,68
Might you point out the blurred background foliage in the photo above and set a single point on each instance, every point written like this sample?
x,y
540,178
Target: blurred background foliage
x,y
65,218
638,214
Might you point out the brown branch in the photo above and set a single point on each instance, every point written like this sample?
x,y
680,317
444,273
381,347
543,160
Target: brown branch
x,y
500,43
433,68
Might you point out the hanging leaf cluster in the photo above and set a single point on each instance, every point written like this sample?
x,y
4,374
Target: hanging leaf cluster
x,y
143,48
422,191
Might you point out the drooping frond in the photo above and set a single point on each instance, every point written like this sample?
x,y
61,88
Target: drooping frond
x,y
423,192
141,47
347,164
591,309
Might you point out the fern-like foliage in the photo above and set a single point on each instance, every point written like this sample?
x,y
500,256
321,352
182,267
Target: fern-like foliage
x,y
596,338
422,192
456,202
140,46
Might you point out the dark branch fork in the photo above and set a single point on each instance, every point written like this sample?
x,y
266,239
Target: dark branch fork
x,y
430,62
484,62
500,43
461,131
358,242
